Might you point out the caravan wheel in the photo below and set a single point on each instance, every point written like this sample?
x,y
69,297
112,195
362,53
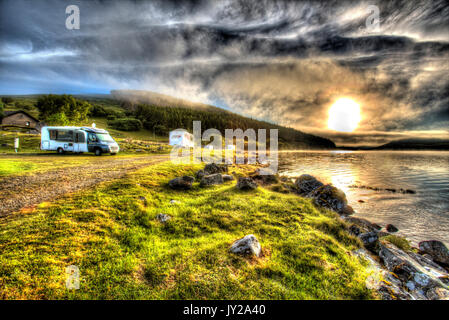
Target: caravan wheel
x,y
98,152
60,150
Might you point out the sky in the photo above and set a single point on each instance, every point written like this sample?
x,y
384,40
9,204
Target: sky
x,y
281,61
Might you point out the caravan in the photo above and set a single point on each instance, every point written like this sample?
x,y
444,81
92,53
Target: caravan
x,y
181,138
78,140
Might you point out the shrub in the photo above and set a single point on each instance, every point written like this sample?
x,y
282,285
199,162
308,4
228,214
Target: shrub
x,y
1,111
7,100
126,124
98,111
58,119
111,117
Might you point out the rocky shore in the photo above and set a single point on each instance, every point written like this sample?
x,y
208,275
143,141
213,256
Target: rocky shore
x,y
398,271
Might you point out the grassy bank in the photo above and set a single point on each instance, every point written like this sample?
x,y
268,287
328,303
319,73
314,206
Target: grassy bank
x,y
122,251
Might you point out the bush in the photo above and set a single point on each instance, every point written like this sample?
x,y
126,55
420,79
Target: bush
x,y
98,111
1,111
58,119
7,100
126,124
22,105
111,117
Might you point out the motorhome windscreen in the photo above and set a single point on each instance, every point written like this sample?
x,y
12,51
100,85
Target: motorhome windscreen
x,y
104,137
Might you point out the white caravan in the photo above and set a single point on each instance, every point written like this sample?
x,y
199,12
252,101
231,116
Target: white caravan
x,y
78,140
181,138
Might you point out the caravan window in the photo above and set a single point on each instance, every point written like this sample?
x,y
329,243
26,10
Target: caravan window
x,y
92,137
53,134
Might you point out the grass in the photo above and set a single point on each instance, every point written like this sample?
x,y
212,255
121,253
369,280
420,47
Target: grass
x,y
399,242
123,252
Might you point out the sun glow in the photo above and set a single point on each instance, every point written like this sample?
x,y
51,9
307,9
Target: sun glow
x,y
344,115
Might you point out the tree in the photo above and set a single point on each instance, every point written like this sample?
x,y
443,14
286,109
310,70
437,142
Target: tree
x,y
64,108
7,100
1,112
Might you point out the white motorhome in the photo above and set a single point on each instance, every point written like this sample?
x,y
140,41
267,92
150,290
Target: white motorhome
x,y
181,138
78,140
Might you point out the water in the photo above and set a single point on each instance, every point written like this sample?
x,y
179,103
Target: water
x,y
420,216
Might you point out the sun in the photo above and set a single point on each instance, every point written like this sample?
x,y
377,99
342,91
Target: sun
x,y
344,115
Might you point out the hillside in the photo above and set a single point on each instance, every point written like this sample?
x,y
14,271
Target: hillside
x,y
180,114
417,144
161,114
157,99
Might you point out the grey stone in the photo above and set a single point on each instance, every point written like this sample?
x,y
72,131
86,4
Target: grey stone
x,y
248,245
307,183
181,182
211,179
246,183
436,249
162,217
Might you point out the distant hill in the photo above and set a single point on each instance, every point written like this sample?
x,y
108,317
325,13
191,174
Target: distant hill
x,y
163,113
417,144
161,100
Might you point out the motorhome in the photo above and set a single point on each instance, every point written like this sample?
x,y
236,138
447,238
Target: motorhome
x,y
78,140
181,138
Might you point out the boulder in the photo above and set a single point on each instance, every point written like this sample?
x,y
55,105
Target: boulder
x,y
199,174
353,229
211,179
227,177
248,245
330,197
307,183
182,183
370,240
436,249
391,228
363,224
212,168
162,217
417,276
246,183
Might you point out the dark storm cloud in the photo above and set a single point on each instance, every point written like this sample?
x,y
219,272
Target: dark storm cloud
x,y
281,61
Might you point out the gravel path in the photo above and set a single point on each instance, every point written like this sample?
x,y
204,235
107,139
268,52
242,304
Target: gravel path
x,y
17,192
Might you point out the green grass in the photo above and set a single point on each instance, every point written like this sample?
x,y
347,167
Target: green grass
x,y
123,252
399,242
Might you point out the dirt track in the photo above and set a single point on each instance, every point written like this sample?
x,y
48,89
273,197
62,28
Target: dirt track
x,y
17,192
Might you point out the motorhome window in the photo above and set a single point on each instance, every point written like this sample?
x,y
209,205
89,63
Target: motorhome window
x,y
63,135
92,137
79,137
104,137
53,134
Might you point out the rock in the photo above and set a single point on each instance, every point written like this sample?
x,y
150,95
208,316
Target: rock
x,y
330,197
361,201
438,294
248,245
199,174
409,191
211,179
183,183
307,183
370,240
417,275
212,168
142,198
363,224
264,176
353,229
227,177
246,183
162,217
391,228
436,249
173,201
